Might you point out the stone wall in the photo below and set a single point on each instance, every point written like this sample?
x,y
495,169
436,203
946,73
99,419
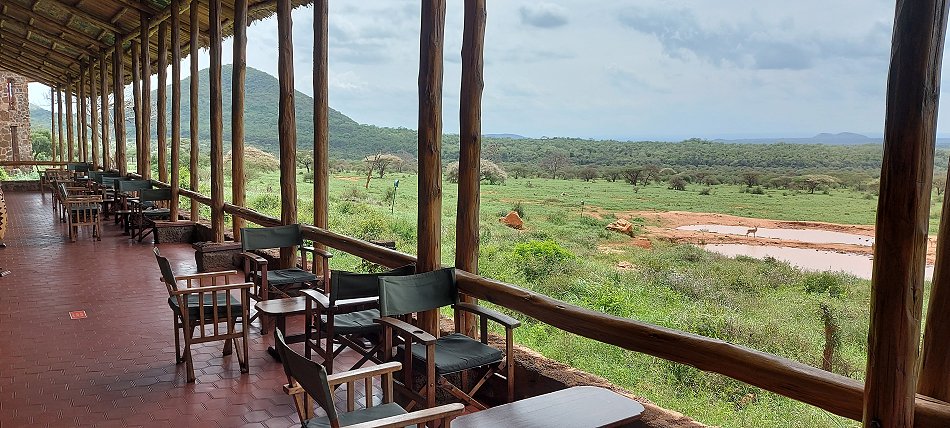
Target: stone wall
x,y
14,112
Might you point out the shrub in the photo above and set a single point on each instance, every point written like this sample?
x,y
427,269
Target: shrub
x,y
677,182
518,208
704,191
824,283
757,190
539,259
488,171
267,203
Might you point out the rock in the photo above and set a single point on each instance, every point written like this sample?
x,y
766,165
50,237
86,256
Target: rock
x,y
643,243
512,220
621,225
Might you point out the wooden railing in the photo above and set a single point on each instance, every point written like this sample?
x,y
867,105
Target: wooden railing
x,y
829,391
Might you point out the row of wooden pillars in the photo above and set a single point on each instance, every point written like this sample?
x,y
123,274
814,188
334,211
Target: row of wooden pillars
x,y
69,148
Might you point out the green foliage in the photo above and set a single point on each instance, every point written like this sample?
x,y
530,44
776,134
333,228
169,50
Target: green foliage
x,y
42,144
539,259
267,203
518,207
4,175
830,283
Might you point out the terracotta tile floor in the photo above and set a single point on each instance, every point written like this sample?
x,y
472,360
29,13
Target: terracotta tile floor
x,y
117,366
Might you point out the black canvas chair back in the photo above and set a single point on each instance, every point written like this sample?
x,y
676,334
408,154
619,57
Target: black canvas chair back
x,y
401,295
168,276
311,376
155,195
271,237
350,285
132,185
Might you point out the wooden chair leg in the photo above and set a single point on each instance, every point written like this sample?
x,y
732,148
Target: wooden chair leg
x,y
243,353
189,365
179,358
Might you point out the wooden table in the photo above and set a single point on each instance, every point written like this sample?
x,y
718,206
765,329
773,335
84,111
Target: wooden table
x,y
280,309
577,407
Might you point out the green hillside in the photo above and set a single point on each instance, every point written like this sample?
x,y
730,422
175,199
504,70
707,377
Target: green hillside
x,y
40,118
348,139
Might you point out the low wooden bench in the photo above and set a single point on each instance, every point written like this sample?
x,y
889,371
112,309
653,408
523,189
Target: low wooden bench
x,y
280,309
576,407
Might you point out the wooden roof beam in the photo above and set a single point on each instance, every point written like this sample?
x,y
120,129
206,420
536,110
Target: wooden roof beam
x,y
43,50
55,39
32,14
81,14
28,67
140,7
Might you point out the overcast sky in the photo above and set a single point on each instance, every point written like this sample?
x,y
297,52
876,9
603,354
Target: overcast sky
x,y
666,69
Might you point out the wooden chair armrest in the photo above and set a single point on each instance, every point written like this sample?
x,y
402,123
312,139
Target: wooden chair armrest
x,y
417,333
363,373
258,260
446,411
322,300
317,251
493,315
210,288
205,275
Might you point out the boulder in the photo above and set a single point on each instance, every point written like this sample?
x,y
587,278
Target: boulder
x,y
621,225
512,220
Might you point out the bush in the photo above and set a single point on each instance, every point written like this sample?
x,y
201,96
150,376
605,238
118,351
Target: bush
x,y
704,191
824,283
539,259
518,208
267,203
488,171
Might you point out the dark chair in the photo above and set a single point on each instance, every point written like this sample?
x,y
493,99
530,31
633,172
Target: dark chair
x,y
285,281
345,315
308,380
400,296
148,209
126,194
209,302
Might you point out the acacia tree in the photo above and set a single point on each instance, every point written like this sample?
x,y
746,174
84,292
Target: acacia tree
x,y
379,163
305,159
632,174
589,173
814,181
750,178
555,161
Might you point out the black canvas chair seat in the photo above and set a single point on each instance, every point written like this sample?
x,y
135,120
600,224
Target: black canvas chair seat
x,y
360,322
287,276
194,311
456,352
360,416
156,213
84,207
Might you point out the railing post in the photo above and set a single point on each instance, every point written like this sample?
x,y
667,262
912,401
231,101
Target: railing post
x,y
193,106
913,90
118,89
137,103
69,120
287,124
430,146
470,127
145,150
321,118
104,105
217,157
238,74
161,126
176,107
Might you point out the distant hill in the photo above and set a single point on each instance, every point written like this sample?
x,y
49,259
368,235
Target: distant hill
x,y
40,118
508,136
841,138
348,139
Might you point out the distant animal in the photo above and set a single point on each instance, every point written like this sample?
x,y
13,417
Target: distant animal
x,y
752,231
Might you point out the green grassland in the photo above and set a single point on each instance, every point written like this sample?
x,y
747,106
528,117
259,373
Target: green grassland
x,y
765,305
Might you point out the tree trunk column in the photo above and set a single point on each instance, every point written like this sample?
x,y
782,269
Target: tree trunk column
x,y
94,118
321,118
193,106
217,155
470,122
161,126
913,90
238,75
145,151
430,147
104,105
287,121
137,102
69,121
118,88
176,107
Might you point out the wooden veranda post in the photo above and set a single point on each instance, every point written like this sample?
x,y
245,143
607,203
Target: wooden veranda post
x,y
287,123
193,106
118,99
59,114
176,107
69,122
52,124
430,147
321,118
145,150
470,127
238,75
104,106
934,375
94,117
137,103
81,110
217,123
913,90
161,126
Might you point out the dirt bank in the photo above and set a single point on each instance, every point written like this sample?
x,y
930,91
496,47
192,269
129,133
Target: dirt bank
x,y
661,225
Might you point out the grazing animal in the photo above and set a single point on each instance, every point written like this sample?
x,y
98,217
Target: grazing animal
x,y
752,231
